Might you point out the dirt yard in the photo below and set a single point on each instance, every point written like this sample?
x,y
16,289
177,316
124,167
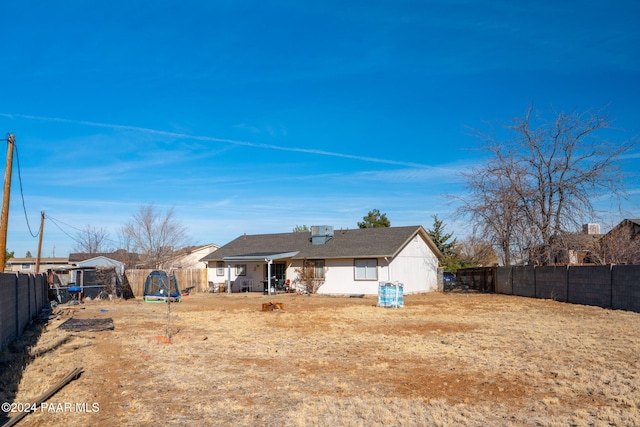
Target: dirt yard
x,y
442,360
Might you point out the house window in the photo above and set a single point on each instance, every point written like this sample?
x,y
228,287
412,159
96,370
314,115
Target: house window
x,y
318,269
26,266
241,269
220,268
366,269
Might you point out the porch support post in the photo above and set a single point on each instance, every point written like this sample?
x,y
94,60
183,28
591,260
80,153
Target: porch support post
x,y
229,278
269,262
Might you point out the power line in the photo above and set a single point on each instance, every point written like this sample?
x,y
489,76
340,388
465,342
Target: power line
x,y
55,222
24,207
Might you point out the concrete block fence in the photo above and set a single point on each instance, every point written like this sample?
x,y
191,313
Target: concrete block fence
x,y
607,286
22,298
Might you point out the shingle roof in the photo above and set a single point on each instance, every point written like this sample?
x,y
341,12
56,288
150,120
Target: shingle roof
x,y
356,243
27,260
625,223
118,256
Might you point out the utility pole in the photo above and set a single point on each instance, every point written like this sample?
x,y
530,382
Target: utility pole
x,y
40,242
4,219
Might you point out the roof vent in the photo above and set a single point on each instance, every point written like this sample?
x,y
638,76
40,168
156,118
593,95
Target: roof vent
x,y
321,234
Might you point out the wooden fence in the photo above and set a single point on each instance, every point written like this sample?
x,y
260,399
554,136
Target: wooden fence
x,y
479,279
187,277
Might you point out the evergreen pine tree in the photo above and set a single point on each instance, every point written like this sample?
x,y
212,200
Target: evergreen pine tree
x,y
440,238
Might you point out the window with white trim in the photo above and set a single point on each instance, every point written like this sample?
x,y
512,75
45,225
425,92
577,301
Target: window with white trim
x,y
220,268
366,269
241,269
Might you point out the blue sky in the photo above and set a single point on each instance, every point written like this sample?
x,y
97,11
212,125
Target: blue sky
x,y
254,117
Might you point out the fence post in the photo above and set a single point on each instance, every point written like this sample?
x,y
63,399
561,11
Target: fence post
x,y
567,283
511,278
17,311
32,285
611,286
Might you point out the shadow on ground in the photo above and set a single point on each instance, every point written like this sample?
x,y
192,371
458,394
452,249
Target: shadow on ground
x,y
15,358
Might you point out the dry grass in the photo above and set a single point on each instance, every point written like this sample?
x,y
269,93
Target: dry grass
x,y
443,359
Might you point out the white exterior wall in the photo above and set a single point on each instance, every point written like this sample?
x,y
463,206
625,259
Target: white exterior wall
x,y
340,278
416,267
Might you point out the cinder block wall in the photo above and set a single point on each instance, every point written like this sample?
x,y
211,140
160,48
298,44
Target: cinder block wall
x,y
504,281
524,281
625,292
23,302
22,298
616,287
8,313
38,292
551,282
590,285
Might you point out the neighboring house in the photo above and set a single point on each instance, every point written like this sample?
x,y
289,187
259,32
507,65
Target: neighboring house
x,y
93,274
621,245
349,261
579,248
28,265
81,265
101,261
129,259
189,257
570,248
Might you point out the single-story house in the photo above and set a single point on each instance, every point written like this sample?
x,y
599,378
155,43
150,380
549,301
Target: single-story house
x,y
28,264
128,259
347,262
188,257
621,245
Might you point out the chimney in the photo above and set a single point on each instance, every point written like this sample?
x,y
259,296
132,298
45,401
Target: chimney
x,y
591,228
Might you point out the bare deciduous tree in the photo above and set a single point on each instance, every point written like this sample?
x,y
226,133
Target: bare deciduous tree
x,y
91,240
311,276
106,277
124,240
491,207
154,234
622,244
542,179
476,252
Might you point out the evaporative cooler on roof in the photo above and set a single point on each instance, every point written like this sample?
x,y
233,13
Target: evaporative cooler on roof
x,y
321,234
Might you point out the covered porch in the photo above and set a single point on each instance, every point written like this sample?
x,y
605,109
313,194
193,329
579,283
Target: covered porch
x,y
259,272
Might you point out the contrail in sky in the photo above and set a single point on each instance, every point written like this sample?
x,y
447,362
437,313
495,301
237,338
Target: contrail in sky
x,y
213,139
